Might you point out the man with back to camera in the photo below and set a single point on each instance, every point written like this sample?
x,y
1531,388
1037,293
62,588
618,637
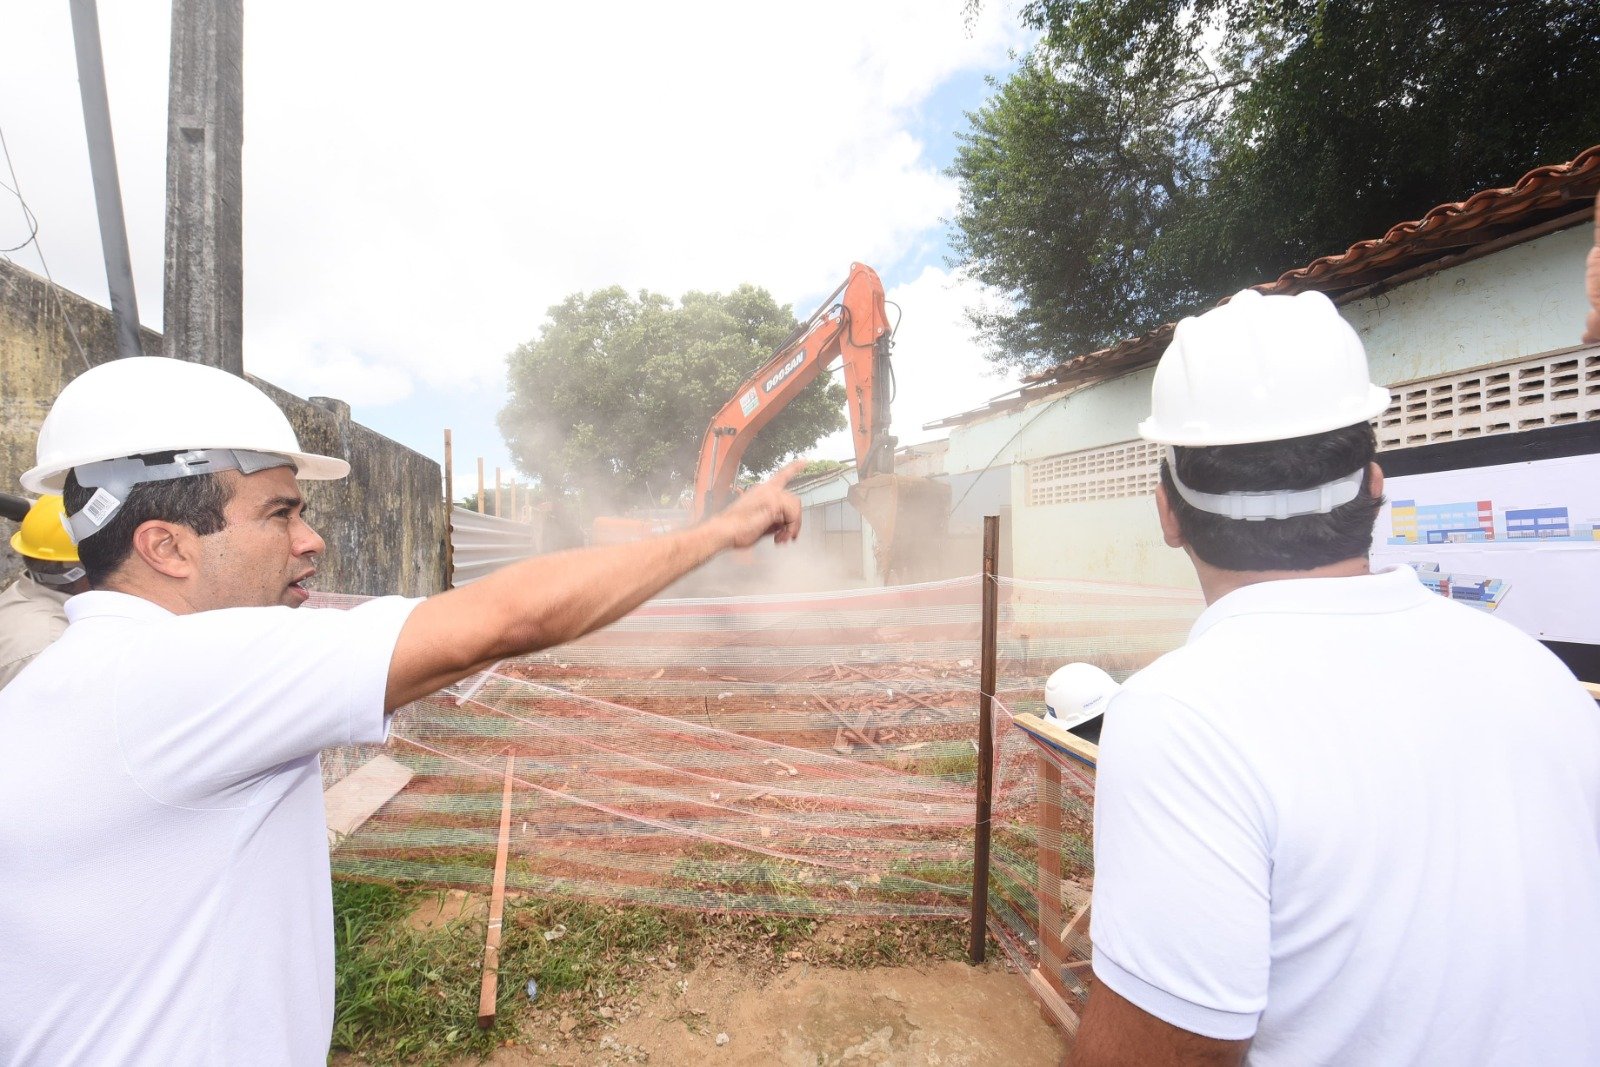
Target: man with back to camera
x,y
164,882
1349,821
33,609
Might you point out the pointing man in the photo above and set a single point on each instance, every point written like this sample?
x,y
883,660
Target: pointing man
x,y
164,887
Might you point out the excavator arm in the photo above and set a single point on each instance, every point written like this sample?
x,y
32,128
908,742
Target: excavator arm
x,y
851,325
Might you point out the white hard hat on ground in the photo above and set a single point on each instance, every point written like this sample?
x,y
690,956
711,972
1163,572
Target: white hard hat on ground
x,y
1261,368
147,405
1078,692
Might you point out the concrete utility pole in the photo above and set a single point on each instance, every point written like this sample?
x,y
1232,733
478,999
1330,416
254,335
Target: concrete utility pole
x,y
203,317
103,168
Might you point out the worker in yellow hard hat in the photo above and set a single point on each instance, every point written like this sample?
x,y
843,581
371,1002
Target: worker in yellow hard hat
x,y
33,608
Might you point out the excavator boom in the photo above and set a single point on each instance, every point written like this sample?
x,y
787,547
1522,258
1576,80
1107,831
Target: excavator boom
x,y
852,326
907,515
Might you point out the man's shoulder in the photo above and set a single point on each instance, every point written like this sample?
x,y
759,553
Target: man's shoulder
x,y
14,597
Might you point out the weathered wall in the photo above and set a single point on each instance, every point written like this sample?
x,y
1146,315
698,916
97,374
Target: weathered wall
x,y
1519,302
385,524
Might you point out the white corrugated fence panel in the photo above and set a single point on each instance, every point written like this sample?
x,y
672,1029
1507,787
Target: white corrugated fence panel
x,y
483,543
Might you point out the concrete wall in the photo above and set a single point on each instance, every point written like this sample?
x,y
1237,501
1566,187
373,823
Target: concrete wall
x,y
1518,302
385,524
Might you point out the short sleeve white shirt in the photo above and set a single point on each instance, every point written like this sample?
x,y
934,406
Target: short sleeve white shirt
x,y
1360,824
164,884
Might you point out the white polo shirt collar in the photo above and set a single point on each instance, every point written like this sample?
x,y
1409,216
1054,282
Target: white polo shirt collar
x,y
1394,589
98,603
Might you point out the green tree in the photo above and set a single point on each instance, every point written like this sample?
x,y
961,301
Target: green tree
x,y
819,466
1151,156
613,396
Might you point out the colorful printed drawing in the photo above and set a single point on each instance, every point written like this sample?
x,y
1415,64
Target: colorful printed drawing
x,y
1459,522
1475,590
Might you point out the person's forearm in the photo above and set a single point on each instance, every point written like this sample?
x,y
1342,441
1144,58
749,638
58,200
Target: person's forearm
x,y
538,603
549,600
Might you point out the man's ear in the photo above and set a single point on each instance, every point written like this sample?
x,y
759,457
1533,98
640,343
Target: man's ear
x,y
1374,479
1171,532
168,548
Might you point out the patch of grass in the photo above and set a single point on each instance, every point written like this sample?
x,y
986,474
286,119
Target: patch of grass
x,y
903,944
402,995
959,764
406,996
597,944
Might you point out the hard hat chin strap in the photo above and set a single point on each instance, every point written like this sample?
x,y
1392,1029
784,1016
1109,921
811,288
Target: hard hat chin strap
x,y
1272,503
112,479
66,577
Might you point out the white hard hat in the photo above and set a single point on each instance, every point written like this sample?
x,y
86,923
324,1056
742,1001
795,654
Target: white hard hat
x,y
151,404
1261,368
1077,693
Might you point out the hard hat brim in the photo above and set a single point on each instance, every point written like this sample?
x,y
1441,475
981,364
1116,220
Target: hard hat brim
x,y
309,467
1152,430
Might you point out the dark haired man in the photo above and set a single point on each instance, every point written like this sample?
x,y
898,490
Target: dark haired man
x,y
164,888
1313,843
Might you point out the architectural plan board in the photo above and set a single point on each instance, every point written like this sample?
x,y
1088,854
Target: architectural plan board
x,y
1520,539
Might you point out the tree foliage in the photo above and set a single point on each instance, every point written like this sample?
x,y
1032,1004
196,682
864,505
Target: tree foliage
x,y
1150,156
614,394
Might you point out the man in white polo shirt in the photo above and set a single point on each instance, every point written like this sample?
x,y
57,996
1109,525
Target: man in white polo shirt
x,y
1349,821
164,887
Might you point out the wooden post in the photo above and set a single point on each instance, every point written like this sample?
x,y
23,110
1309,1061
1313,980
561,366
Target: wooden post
x,y
516,513
1052,954
449,513
986,677
497,905
497,511
480,485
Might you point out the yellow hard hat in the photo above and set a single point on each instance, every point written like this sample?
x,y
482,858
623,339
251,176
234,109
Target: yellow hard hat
x,y
43,534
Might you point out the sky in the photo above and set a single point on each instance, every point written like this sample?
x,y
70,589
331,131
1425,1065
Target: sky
x,y
420,186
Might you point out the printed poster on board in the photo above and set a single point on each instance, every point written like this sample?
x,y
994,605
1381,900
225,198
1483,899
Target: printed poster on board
x,y
1516,539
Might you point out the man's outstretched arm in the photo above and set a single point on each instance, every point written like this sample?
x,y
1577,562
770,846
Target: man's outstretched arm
x,y
549,600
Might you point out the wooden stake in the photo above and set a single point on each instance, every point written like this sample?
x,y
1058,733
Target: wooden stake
x,y
1052,954
480,485
497,511
980,844
449,513
497,903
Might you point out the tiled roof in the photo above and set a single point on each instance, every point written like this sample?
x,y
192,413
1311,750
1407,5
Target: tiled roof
x,y
1545,198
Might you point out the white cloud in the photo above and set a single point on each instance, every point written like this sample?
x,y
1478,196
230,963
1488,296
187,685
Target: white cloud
x,y
422,182
320,369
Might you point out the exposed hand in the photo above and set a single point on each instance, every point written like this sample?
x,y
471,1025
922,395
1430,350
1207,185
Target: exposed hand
x,y
1591,334
768,508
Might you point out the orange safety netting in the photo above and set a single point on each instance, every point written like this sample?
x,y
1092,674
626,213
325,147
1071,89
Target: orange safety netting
x,y
802,755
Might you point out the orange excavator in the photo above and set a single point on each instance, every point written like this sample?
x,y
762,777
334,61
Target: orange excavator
x,y
852,326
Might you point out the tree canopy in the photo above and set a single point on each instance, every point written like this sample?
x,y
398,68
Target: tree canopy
x,y
1150,156
614,394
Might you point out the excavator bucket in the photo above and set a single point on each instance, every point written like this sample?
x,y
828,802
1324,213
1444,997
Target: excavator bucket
x,y
910,518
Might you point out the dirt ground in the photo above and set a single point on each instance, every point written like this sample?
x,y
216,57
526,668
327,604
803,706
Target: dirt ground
x,y
946,1014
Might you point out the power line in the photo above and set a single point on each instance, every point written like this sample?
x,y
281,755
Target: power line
x,y
15,189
